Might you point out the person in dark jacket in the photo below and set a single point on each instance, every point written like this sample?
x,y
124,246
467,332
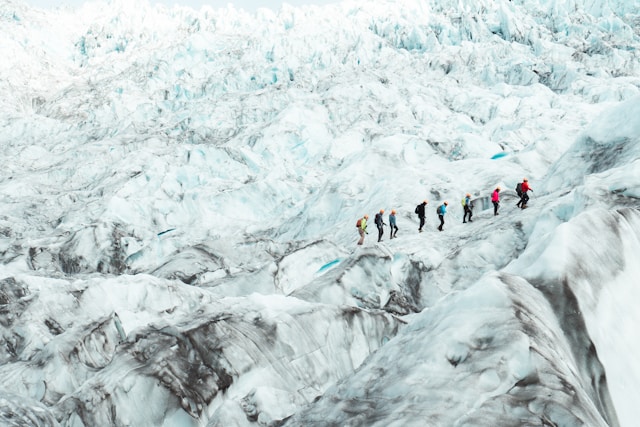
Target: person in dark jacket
x,y
379,223
421,215
392,224
467,208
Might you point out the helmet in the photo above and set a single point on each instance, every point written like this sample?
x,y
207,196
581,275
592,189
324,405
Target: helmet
x,y
468,195
393,211
425,201
366,216
381,211
446,203
525,179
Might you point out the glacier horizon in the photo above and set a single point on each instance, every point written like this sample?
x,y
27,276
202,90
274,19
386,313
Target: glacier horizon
x,y
181,187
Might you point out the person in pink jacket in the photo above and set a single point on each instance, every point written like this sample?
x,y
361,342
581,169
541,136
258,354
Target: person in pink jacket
x,y
495,199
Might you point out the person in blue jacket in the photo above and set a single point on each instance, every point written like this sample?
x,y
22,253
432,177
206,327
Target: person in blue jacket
x,y
392,224
442,210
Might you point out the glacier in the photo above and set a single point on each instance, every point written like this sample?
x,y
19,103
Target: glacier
x,y
180,189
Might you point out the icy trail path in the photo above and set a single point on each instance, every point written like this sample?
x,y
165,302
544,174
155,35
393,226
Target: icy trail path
x,y
464,324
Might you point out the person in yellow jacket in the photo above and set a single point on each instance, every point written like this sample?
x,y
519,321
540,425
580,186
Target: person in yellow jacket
x,y
362,228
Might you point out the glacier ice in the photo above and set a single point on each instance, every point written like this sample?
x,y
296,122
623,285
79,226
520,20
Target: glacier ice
x,y
180,188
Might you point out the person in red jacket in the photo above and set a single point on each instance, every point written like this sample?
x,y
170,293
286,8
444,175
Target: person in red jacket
x,y
525,197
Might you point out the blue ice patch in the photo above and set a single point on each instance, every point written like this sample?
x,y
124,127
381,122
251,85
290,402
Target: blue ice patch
x,y
329,265
498,156
165,232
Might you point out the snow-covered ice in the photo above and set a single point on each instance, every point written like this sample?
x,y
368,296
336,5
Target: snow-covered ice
x,y
180,189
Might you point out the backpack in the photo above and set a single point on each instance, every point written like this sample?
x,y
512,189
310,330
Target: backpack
x,y
359,223
417,208
519,189
464,201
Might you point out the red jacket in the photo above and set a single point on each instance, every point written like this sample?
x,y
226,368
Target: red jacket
x,y
525,186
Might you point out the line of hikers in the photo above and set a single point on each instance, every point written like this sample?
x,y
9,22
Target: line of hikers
x,y
521,189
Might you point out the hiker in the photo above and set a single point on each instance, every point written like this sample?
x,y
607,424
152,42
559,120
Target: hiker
x,y
420,211
467,205
495,199
524,197
392,224
442,209
362,228
379,223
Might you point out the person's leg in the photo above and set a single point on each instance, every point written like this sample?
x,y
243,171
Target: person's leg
x,y
396,230
470,215
380,233
421,223
361,231
441,217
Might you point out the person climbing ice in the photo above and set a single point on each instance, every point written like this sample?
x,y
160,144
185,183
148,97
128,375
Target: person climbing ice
x,y
495,199
524,197
442,210
421,215
468,206
362,228
392,224
379,223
